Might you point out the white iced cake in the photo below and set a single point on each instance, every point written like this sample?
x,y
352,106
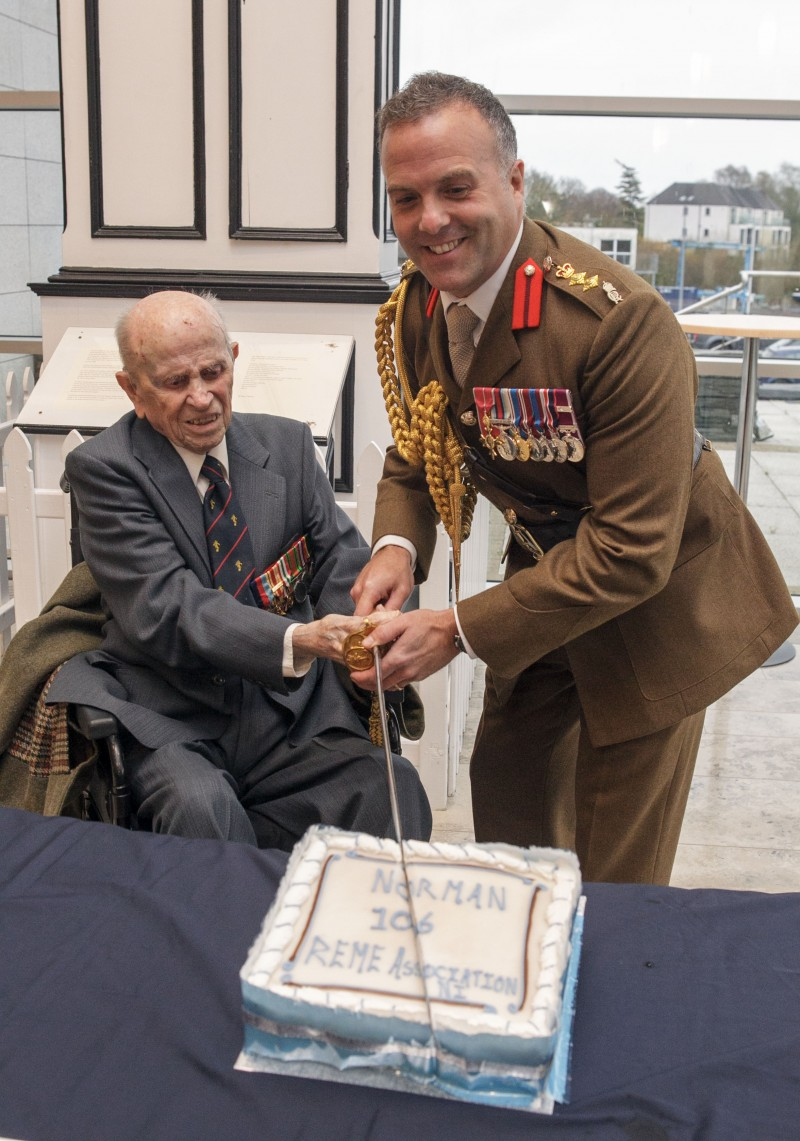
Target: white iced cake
x,y
450,972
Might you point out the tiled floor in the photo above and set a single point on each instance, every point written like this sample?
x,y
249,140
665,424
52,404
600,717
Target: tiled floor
x,y
742,824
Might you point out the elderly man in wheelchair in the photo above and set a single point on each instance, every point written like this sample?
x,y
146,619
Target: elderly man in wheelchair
x,y
205,628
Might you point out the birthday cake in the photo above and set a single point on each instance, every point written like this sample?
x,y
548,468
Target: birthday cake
x,y
452,971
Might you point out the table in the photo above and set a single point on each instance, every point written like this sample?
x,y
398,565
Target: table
x,y
120,1007
752,327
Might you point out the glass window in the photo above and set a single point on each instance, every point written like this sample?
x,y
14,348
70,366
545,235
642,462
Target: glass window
x,y
717,49
577,142
31,205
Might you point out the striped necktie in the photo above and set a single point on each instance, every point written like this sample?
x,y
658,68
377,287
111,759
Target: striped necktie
x,y
229,546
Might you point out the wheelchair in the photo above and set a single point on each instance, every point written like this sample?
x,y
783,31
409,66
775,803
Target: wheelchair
x,y
107,796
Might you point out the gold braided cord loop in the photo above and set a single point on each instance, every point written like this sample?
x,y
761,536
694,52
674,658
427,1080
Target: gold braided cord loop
x,y
421,429
391,312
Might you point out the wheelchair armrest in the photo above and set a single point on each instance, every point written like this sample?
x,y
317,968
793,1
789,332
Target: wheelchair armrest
x,y
94,724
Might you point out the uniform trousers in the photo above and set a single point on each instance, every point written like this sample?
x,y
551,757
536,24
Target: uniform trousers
x,y
536,779
254,787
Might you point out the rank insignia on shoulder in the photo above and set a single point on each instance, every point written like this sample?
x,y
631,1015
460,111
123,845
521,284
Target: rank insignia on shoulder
x,y
586,282
613,293
577,277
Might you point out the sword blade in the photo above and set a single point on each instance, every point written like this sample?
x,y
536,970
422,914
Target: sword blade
x,y
387,751
398,832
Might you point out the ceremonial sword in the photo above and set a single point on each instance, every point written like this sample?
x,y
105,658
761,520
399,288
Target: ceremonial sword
x,y
357,657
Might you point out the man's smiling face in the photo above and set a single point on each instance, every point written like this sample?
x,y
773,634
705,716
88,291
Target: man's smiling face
x,y
456,208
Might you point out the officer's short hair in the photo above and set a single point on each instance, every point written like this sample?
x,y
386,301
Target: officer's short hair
x,y
431,91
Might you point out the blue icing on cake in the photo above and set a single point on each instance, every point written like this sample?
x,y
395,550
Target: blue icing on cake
x,y
453,979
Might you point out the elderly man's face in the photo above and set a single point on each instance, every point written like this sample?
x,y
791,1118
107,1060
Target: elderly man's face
x,y
456,209
183,379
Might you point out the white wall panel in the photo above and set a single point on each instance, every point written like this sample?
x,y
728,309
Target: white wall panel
x,y
289,105
141,61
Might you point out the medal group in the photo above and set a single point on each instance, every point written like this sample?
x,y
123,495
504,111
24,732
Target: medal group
x,y
529,424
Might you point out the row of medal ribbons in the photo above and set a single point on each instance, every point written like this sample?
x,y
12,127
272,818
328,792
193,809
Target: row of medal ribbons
x,y
529,424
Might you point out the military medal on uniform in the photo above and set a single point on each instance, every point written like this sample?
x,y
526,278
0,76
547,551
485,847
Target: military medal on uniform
x,y
529,424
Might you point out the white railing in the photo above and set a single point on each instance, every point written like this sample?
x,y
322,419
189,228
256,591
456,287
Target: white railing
x,y
15,392
35,553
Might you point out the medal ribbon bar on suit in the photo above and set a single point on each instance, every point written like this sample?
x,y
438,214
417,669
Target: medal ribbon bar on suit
x,y
277,588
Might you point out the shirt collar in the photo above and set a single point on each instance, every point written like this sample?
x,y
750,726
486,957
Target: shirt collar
x,y
194,461
484,297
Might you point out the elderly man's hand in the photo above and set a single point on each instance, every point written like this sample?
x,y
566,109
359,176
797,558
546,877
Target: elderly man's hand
x,y
324,637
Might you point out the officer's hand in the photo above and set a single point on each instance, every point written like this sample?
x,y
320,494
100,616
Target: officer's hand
x,y
421,643
386,581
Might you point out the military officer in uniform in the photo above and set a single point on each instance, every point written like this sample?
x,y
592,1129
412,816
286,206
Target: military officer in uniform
x,y
638,589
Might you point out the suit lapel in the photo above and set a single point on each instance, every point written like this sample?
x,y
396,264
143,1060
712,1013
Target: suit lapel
x,y
261,492
172,483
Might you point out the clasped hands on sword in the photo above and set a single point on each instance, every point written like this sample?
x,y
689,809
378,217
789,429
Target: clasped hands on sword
x,y
416,643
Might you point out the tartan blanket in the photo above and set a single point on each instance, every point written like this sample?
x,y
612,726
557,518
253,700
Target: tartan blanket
x,y
70,622
42,738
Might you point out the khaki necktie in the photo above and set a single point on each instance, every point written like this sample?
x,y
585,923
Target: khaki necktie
x,y
461,322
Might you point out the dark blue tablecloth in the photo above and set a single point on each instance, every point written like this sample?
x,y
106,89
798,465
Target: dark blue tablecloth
x,y
120,1007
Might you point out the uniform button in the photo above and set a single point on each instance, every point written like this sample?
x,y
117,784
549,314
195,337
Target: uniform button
x,y
468,418
218,679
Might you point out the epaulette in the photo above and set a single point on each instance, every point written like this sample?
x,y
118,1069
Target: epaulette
x,y
597,288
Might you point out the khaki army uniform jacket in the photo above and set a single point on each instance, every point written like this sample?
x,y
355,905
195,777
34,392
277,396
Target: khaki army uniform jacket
x,y
668,595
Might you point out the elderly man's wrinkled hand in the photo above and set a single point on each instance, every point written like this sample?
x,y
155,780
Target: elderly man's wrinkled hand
x,y
325,637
